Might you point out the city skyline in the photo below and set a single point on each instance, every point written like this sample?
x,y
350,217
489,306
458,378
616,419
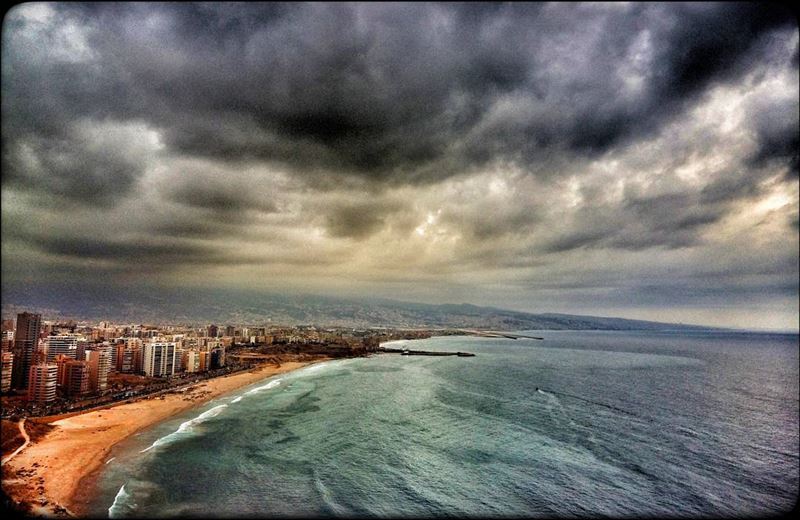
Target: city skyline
x,y
631,160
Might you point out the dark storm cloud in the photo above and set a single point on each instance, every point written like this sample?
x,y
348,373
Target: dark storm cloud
x,y
49,92
778,132
200,223
83,247
672,220
141,254
731,187
192,228
404,93
71,167
708,41
672,213
222,198
359,220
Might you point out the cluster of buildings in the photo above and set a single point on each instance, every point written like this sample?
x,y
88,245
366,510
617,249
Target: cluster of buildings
x,y
48,360
73,361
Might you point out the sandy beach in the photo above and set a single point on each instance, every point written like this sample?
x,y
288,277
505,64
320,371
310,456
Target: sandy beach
x,y
51,469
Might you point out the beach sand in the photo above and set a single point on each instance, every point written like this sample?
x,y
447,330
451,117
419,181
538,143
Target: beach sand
x,y
53,467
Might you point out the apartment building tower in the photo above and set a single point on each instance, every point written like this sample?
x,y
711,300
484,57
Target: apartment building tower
x,y
99,361
26,343
65,344
6,369
42,379
159,359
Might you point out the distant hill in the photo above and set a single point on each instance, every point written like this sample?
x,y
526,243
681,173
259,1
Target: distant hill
x,y
235,307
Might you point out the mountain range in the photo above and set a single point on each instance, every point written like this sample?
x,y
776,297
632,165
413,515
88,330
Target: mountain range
x,y
199,306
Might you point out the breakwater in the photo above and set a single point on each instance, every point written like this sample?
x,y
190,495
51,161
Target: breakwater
x,y
407,352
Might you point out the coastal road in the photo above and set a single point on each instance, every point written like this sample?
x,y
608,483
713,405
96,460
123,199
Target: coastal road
x,y
21,425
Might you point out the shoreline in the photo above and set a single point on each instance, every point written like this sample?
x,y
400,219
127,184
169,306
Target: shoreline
x,y
61,467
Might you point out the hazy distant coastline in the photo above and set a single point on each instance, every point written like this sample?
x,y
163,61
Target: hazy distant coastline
x,y
249,308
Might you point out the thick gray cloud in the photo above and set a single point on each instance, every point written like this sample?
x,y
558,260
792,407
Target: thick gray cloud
x,y
440,145
359,220
776,124
400,92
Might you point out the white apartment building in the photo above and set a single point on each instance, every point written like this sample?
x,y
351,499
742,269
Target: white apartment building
x,y
159,358
65,344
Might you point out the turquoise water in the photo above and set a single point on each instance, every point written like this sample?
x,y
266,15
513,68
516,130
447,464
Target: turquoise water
x,y
580,424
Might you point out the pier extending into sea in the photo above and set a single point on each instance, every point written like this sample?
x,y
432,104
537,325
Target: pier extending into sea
x,y
407,352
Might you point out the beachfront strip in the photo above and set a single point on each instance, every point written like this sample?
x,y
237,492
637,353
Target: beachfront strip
x,y
71,390
51,367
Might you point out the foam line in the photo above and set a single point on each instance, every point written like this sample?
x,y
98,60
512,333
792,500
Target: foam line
x,y
187,427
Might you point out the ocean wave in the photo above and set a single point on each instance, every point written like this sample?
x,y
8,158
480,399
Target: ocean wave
x,y
129,497
327,497
316,367
187,426
123,503
271,384
313,368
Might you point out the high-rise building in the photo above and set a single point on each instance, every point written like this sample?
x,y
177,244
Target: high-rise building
x,y
59,361
26,343
204,362
218,357
191,361
42,380
65,344
74,377
99,361
5,371
159,358
83,344
212,331
138,361
7,337
128,356
230,331
125,359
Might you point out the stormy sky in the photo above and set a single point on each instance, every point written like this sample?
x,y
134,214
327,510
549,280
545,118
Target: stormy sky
x,y
635,160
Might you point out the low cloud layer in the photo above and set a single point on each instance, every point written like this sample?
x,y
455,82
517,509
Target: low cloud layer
x,y
640,159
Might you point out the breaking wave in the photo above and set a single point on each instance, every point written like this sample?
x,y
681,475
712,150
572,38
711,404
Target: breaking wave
x,y
186,427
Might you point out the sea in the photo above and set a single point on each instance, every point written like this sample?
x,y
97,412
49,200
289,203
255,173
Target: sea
x,y
578,424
